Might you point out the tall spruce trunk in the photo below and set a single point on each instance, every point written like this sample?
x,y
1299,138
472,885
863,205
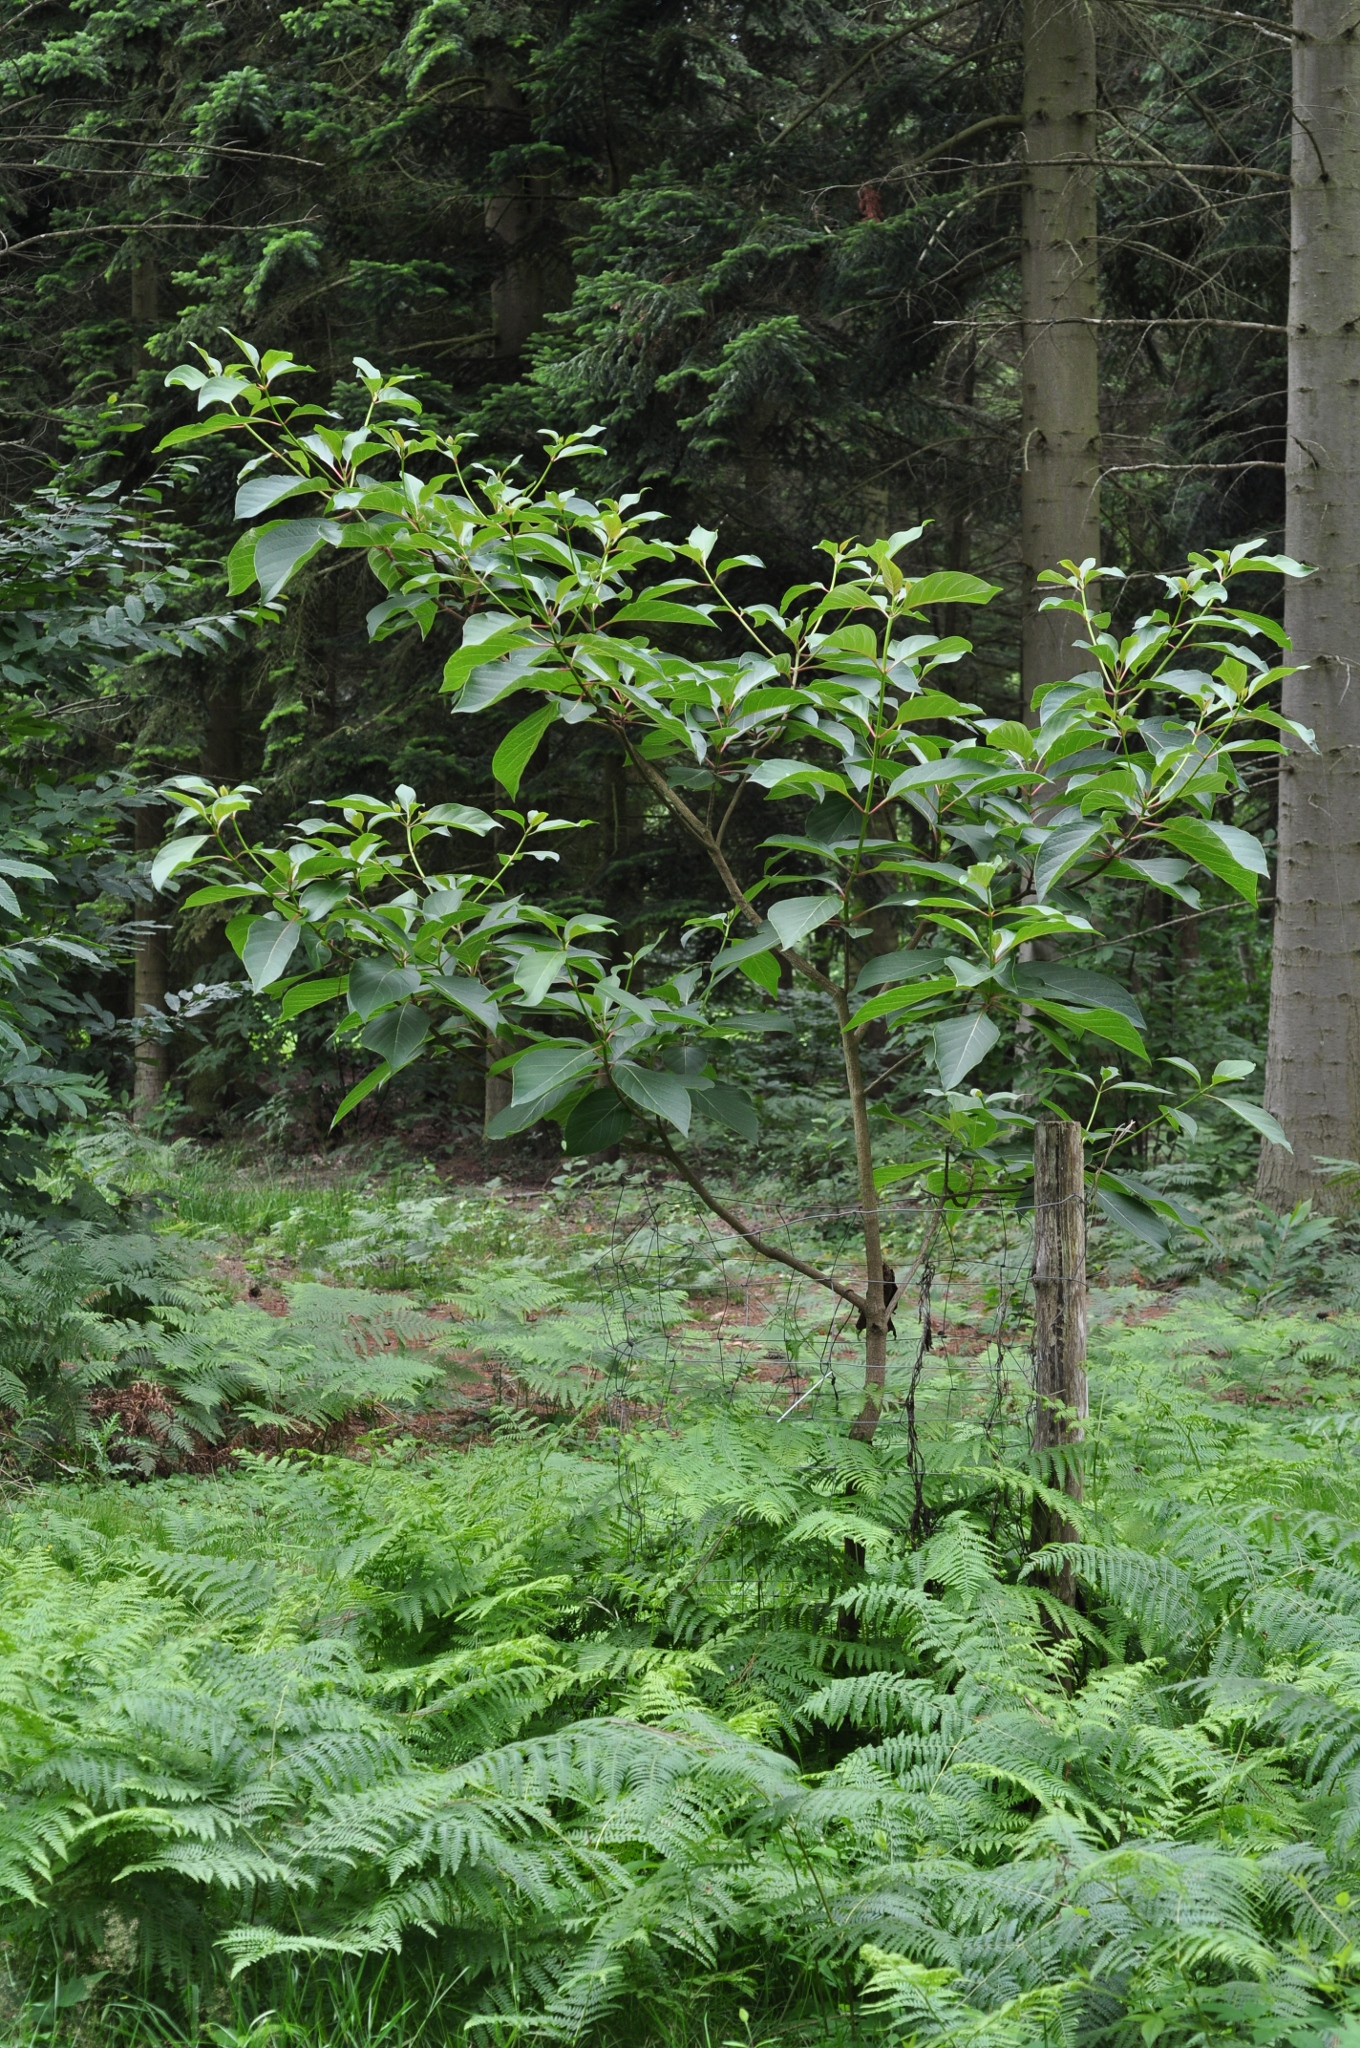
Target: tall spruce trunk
x,y
520,290
1060,410
1313,1070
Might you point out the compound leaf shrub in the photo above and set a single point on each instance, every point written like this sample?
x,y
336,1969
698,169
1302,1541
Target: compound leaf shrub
x,y
605,1727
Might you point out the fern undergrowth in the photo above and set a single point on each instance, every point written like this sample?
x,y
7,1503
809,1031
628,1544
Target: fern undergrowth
x,y
646,1719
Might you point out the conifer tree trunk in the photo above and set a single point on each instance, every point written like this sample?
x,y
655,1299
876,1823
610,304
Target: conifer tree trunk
x,y
144,294
1060,413
519,291
1313,1071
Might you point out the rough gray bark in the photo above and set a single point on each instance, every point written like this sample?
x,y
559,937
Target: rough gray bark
x,y
1060,411
1059,1319
1313,1071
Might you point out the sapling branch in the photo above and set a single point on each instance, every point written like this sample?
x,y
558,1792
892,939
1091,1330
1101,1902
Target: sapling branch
x,y
763,1245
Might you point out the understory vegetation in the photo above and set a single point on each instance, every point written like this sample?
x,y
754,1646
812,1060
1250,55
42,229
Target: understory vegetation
x,y
502,1639
679,1153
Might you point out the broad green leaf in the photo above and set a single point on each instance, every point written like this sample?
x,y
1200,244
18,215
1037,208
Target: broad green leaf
x,y
240,564
659,612
176,854
374,983
962,1043
1260,1119
894,999
763,970
520,1115
1284,565
397,1035
1167,875
926,774
1145,1212
463,818
219,389
853,638
1156,1199
357,1094
1035,979
744,949
951,586
470,996
834,820
1061,850
660,1094
485,635
908,963
259,494
931,704
545,1068
776,775
269,946
536,970
1231,1070
199,430
495,680
1183,1067
1112,1025
222,892
283,548
319,899
1234,856
796,916
1012,737
516,750
731,1106
1132,1215
597,1121
305,995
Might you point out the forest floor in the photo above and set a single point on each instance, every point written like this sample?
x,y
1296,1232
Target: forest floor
x,y
517,1478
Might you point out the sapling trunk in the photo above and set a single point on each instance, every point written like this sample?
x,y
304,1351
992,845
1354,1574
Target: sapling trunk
x,y
875,1288
498,1090
1059,1322
150,980
873,1303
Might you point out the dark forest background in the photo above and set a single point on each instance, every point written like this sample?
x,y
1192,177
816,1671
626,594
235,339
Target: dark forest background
x,y
771,251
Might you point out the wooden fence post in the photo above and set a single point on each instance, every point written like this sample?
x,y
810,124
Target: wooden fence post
x,y
1059,1320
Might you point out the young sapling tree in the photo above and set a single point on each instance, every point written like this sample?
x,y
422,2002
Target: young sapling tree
x,y
982,833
